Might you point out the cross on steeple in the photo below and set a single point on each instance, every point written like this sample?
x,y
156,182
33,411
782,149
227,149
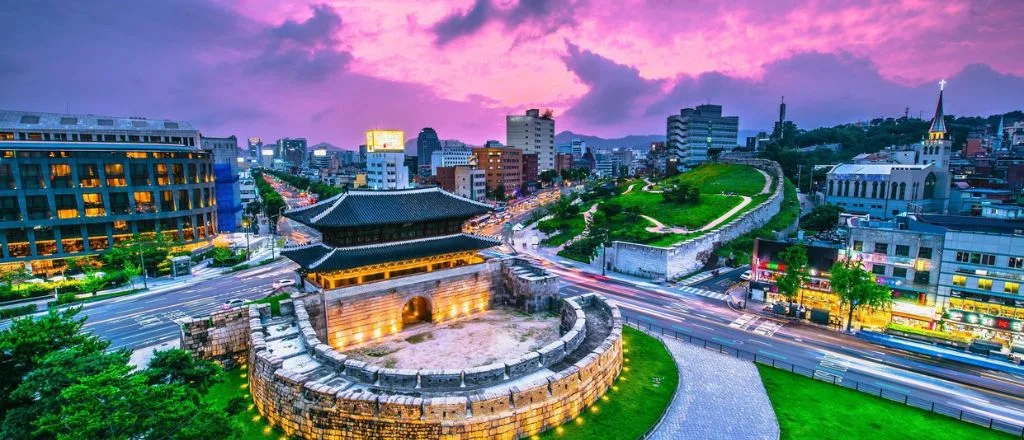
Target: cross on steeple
x,y
942,85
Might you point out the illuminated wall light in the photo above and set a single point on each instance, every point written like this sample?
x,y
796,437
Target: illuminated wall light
x,y
376,333
454,311
579,420
256,418
266,430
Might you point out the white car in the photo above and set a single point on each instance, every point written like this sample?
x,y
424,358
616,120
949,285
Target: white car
x,y
746,276
232,303
283,283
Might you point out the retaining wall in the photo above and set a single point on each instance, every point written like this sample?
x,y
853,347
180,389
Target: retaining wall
x,y
688,256
222,336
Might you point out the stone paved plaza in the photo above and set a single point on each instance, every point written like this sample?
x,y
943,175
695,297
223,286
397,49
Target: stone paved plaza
x,y
719,397
479,340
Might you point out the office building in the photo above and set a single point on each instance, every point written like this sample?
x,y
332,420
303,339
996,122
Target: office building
x,y
449,156
267,155
695,131
246,188
426,144
502,166
530,169
291,151
73,185
225,178
321,157
385,160
533,133
563,162
255,145
471,183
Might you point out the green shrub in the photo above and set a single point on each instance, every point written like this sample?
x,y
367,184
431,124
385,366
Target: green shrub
x,y
17,311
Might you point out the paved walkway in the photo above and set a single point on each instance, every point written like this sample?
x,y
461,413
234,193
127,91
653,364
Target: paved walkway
x,y
719,397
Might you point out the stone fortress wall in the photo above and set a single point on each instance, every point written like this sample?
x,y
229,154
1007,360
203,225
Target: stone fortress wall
x,y
364,313
311,390
223,336
690,255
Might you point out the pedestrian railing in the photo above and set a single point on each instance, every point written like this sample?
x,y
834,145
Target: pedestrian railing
x,y
927,405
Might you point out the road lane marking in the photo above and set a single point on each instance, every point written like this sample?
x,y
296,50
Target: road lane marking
x,y
771,354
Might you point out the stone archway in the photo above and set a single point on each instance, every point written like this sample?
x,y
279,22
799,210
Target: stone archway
x,y
415,310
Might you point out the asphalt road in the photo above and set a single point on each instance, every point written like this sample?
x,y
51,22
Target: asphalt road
x,y
832,356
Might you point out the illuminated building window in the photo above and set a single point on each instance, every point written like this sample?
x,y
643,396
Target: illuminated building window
x,y
93,204
858,245
162,175
71,239
60,176
115,174
137,155
179,173
985,284
67,207
1009,287
98,239
144,202
959,280
88,176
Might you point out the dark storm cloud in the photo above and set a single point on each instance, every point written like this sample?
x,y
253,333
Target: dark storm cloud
x,y
546,16
614,88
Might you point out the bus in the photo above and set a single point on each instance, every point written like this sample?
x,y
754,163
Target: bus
x,y
477,222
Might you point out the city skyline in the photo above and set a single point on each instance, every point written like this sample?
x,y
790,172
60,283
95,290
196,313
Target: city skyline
x,y
328,72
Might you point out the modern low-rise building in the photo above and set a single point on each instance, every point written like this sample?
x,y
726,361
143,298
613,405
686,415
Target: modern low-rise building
x,y
74,185
471,183
449,156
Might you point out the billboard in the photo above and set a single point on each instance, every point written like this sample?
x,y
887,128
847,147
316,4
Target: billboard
x,y
385,141
320,152
268,151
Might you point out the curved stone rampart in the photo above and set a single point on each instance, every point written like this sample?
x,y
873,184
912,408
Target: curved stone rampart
x,y
685,257
310,390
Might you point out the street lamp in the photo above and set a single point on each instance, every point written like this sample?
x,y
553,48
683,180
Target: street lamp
x,y
142,264
273,232
245,224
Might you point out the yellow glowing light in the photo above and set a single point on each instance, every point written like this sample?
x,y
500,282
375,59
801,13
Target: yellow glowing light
x,y
266,430
579,420
625,351
245,367
256,418
559,430
250,407
625,359
625,368
243,375
243,386
465,307
376,332
595,409
454,311
615,388
385,140
605,398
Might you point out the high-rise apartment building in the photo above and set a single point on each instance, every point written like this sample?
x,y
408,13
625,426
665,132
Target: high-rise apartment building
x,y
533,133
694,131
255,147
225,178
73,185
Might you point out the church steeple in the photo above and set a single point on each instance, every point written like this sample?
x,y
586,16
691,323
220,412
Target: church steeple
x,y
938,129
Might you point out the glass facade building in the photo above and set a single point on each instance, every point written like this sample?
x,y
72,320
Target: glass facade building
x,y
74,185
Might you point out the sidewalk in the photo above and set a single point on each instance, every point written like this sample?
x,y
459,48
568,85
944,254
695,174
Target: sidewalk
x,y
718,397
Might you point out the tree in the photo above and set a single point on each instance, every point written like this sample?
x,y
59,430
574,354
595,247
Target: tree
x,y
856,287
610,209
821,218
499,193
547,176
91,283
632,213
131,271
681,193
180,367
795,275
713,154
154,251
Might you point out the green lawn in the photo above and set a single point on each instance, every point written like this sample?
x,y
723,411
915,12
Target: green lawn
x,y
251,426
690,216
635,402
714,178
811,409
742,246
566,229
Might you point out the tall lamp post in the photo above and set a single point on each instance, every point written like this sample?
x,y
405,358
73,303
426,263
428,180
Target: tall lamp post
x,y
245,224
142,265
273,232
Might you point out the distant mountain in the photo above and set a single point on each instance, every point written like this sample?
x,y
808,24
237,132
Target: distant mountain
x,y
631,141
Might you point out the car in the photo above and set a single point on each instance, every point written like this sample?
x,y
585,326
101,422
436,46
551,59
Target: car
x,y
283,283
746,275
232,303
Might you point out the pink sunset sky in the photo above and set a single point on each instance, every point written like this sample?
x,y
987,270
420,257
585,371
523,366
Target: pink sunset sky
x,y
327,71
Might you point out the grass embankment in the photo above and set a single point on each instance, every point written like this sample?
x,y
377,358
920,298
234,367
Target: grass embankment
x,y
232,395
274,301
808,408
714,178
566,229
742,247
636,401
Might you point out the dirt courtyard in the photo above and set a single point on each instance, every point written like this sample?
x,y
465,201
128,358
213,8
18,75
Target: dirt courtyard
x,y
488,337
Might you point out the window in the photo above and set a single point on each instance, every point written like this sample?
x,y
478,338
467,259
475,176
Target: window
x,y
924,252
881,248
179,174
29,119
67,207
166,201
60,176
105,122
985,284
119,203
68,121
959,280
988,259
88,176
1016,262
183,200
115,174
1009,287
140,174
6,178
31,176
858,245
878,269
71,239
161,174
922,277
9,210
98,239
144,202
899,272
93,204
902,251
